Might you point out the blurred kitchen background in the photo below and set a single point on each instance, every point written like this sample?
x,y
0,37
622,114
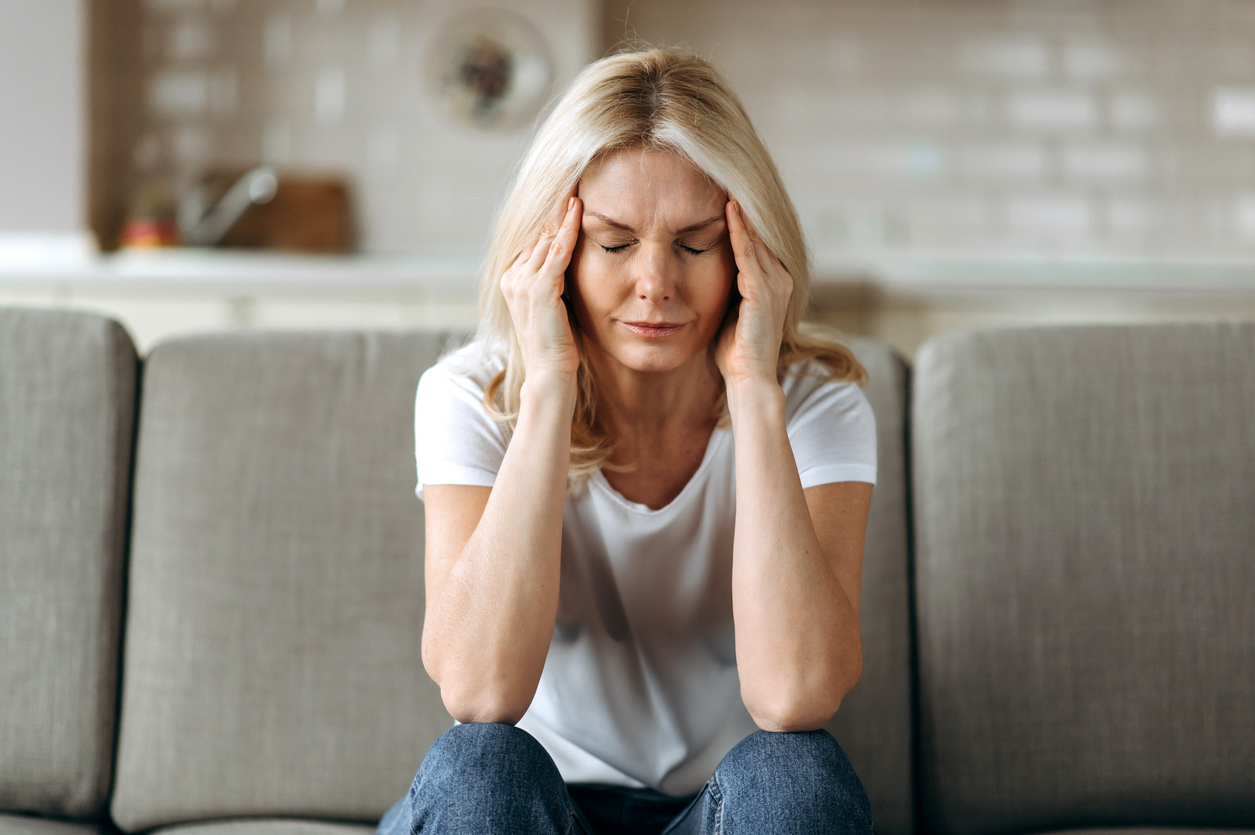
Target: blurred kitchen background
x,y
327,163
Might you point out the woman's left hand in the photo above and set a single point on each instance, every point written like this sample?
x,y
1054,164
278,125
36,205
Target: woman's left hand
x,y
748,346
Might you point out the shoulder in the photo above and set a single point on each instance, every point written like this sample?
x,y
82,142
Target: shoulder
x,y
456,439
464,374
809,390
830,425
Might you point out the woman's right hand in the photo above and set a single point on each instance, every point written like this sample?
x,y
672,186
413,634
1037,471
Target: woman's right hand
x,y
533,287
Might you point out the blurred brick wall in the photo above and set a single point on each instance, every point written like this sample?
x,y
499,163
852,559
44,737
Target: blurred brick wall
x,y
333,86
981,127
1113,127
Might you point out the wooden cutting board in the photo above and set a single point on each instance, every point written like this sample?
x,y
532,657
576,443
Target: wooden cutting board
x,y
307,214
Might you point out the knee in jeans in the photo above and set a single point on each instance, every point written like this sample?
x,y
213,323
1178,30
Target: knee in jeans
x,y
483,753
806,750
789,768
480,777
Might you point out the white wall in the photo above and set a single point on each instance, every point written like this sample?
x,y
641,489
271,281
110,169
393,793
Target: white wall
x,y
42,116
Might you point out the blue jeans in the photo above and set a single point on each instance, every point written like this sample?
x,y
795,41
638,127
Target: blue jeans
x,y
492,778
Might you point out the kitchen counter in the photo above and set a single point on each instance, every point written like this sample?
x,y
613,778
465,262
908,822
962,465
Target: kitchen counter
x,y
928,273
902,298
197,271
160,294
190,270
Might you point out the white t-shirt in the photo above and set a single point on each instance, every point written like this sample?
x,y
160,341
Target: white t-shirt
x,y
640,685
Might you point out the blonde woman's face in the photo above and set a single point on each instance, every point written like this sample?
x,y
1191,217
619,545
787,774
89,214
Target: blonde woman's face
x,y
653,266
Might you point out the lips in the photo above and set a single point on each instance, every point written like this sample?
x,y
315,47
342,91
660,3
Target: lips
x,y
654,330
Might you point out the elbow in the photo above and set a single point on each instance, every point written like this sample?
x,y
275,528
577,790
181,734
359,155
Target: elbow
x,y
851,672
794,716
478,694
470,699
807,705
484,704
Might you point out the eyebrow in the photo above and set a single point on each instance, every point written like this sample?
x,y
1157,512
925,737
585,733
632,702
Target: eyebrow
x,y
617,225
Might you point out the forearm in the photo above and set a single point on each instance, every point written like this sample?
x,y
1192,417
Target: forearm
x,y
797,641
491,626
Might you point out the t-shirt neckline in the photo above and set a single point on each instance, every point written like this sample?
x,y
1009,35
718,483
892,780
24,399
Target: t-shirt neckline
x,y
716,439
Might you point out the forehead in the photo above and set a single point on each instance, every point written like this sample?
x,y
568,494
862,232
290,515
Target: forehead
x,y
639,186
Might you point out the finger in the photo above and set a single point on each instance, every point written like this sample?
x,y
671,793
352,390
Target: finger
x,y
762,254
522,257
553,224
768,262
742,243
541,248
564,243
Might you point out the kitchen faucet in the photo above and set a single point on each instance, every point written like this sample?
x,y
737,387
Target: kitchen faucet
x,y
204,224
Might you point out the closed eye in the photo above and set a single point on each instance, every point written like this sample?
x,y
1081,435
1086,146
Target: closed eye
x,y
622,247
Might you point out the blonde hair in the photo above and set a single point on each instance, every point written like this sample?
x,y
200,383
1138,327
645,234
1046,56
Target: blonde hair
x,y
657,99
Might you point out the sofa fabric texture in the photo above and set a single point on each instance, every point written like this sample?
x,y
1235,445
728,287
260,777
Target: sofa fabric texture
x,y
67,408
24,825
1057,616
273,661
1084,516
273,504
874,722
258,826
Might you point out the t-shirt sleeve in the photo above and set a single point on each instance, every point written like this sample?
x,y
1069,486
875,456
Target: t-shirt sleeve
x,y
455,440
833,433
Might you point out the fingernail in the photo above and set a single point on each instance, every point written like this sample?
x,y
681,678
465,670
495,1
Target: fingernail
x,y
570,203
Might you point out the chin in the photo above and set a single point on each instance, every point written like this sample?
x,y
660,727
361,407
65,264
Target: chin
x,y
654,358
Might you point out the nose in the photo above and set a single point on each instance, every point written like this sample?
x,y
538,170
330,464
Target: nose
x,y
655,281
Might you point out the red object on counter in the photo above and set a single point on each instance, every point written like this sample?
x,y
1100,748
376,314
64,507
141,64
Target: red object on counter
x,y
148,233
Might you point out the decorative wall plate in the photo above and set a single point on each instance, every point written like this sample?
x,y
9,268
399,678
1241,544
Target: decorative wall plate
x,y
489,69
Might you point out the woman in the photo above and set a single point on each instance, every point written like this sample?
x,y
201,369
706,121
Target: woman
x,y
646,491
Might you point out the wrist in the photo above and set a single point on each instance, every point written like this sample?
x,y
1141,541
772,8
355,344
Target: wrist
x,y
549,387
756,394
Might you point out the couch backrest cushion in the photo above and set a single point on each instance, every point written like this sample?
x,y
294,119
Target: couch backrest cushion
x,y
1085,571
874,722
272,661
67,405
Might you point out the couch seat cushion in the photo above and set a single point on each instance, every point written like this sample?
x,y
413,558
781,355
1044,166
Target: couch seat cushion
x,y
67,409
1085,570
264,826
273,663
20,825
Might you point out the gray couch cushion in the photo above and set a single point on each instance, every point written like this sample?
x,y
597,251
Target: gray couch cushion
x,y
18,825
1155,830
67,402
874,722
272,662
262,826
1085,571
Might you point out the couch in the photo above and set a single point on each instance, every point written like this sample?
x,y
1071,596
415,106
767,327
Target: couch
x,y
211,583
